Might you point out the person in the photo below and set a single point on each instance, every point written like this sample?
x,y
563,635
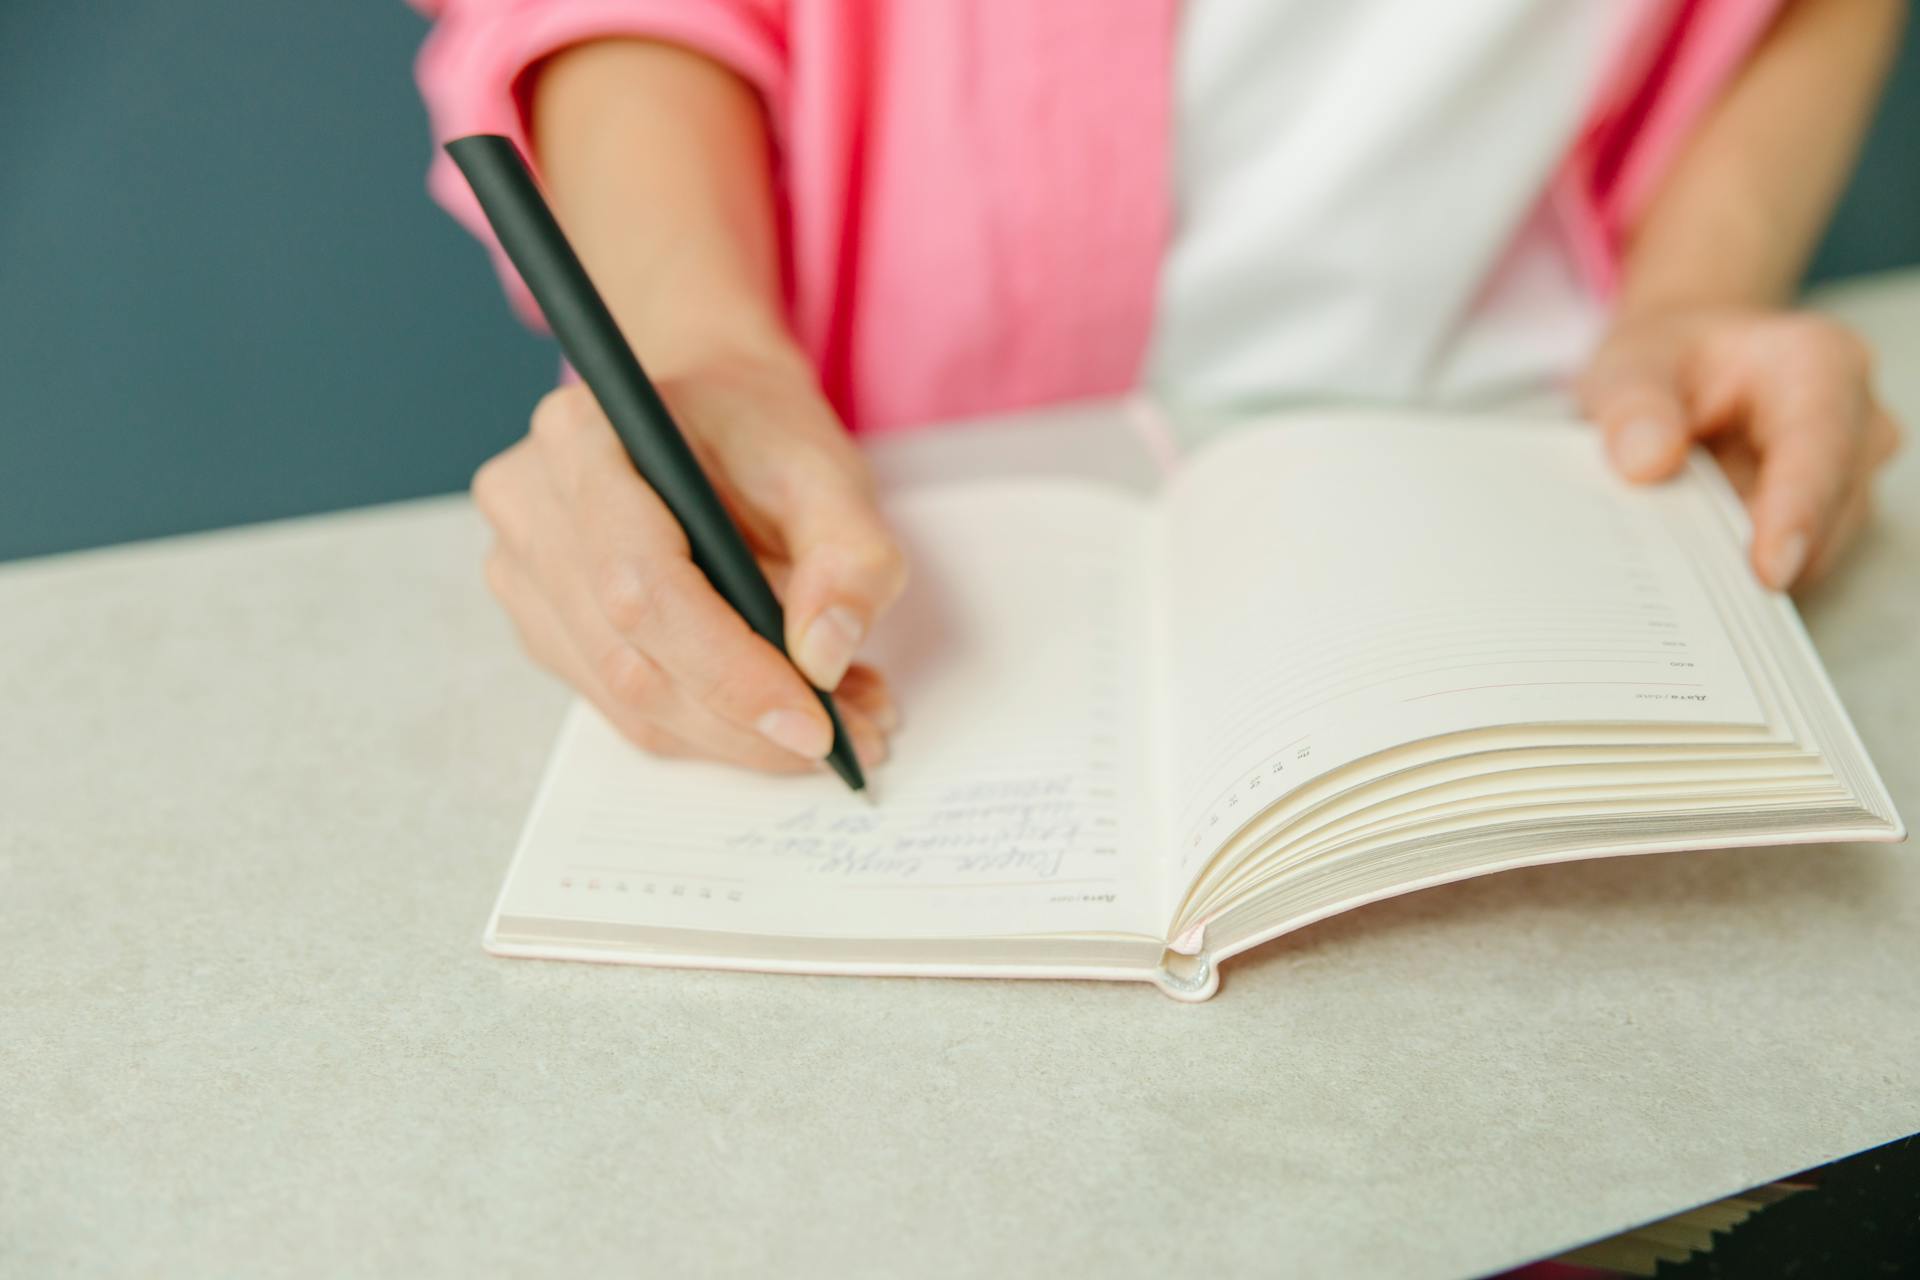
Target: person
x,y
819,219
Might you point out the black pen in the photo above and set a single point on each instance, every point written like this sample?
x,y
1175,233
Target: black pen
x,y
579,318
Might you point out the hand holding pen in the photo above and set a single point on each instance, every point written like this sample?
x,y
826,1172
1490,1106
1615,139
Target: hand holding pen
x,y
645,595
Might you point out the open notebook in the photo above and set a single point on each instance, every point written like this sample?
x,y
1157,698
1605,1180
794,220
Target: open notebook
x,y
1331,660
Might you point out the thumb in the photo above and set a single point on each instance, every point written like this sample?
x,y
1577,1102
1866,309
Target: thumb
x,y
847,567
1638,407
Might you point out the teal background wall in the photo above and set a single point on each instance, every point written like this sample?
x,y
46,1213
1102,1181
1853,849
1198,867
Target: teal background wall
x,y
224,296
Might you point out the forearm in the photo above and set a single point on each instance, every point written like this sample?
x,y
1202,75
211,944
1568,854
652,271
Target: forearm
x,y
658,165
1734,223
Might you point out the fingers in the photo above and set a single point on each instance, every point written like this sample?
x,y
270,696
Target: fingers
x,y
1883,439
1856,512
1633,394
866,691
1739,462
1797,496
546,641
616,568
1798,388
847,570
1856,509
1784,399
644,707
1881,442
809,492
596,575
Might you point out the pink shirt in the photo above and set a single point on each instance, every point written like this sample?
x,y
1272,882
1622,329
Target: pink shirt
x,y
975,197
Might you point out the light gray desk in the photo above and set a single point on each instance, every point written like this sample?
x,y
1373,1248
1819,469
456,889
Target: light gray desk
x,y
257,790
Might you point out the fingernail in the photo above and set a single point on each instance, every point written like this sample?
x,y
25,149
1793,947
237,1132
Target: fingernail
x,y
1642,447
884,715
1789,556
804,735
827,647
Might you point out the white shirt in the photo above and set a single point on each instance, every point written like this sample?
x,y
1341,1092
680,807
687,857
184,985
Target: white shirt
x,y
1359,199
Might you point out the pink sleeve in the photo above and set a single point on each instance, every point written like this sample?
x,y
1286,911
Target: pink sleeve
x,y
470,67
1659,92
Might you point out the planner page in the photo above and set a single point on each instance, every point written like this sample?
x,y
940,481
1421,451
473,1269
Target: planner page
x,y
1339,585
1013,801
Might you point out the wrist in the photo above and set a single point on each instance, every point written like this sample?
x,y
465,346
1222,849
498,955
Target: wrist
x,y
762,347
658,166
1739,260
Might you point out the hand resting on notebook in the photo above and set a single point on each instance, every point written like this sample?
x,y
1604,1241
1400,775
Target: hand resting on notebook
x,y
1784,400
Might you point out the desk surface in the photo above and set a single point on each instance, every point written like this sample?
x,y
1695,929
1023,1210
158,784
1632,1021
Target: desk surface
x,y
257,790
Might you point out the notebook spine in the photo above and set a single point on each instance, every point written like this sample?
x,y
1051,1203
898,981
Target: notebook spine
x,y
1192,978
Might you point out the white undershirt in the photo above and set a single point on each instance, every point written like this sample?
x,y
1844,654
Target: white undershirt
x,y
1359,192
